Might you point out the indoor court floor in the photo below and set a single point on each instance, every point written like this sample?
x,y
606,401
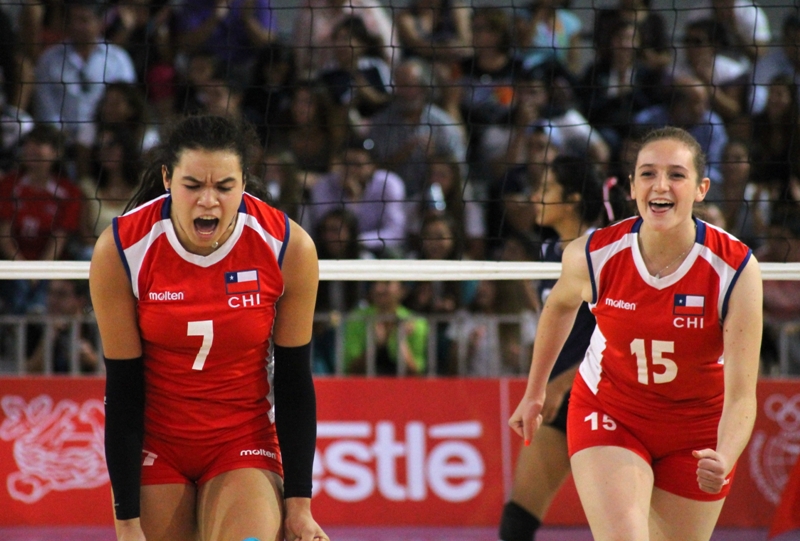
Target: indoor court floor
x,y
375,534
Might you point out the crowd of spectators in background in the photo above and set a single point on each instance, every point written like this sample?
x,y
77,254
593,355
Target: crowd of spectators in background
x,y
412,132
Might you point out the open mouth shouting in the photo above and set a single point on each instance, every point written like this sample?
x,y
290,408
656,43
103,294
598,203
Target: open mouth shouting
x,y
206,226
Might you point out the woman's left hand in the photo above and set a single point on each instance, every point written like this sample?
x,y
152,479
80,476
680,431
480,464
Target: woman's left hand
x,y
299,524
712,470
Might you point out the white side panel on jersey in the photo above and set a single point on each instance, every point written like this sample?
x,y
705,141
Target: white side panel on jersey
x,y
274,244
725,272
591,368
135,253
601,256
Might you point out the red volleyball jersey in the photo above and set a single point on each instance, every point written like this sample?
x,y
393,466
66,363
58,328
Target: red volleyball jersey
x,y
205,321
657,348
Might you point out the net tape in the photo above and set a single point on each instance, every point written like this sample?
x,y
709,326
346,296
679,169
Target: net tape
x,y
369,270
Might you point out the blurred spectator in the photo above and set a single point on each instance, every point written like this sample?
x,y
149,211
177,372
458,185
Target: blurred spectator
x,y
745,24
783,60
486,85
548,31
517,298
270,90
439,240
412,129
10,57
505,145
487,76
336,237
231,29
446,193
71,76
221,96
111,184
617,85
781,297
39,25
313,128
775,135
358,78
142,28
689,108
201,67
397,334
746,202
66,301
40,214
123,105
655,48
281,178
14,125
312,34
438,31
375,196
724,77
508,211
623,160
473,335
564,122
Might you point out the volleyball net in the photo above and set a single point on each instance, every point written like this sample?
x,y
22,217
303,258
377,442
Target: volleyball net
x,y
445,115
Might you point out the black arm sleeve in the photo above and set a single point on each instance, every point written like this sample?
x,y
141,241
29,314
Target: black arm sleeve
x,y
124,433
295,418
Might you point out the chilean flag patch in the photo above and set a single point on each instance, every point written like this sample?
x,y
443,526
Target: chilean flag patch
x,y
689,305
245,281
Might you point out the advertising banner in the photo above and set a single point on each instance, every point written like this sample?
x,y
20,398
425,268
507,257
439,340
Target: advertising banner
x,y
390,452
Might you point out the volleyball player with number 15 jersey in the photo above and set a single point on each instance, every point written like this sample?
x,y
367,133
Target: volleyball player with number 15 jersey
x,y
664,401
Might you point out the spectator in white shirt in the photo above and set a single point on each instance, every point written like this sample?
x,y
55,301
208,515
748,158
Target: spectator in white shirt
x,y
71,76
743,21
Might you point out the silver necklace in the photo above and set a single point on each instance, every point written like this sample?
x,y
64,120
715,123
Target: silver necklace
x,y
679,258
658,274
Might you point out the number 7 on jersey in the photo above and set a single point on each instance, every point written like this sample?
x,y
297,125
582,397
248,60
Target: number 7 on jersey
x,y
206,330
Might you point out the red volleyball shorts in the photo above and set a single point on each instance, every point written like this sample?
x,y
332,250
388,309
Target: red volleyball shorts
x,y
665,445
188,462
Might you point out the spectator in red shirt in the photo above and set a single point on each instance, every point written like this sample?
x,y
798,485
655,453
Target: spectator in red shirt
x,y
39,214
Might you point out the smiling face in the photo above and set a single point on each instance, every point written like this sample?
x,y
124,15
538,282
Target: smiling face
x,y
207,188
666,183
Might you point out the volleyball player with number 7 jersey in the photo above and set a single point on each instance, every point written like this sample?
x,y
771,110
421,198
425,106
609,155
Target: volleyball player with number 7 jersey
x,y
664,401
205,298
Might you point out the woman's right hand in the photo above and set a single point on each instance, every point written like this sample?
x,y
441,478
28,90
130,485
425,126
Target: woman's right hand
x,y
527,418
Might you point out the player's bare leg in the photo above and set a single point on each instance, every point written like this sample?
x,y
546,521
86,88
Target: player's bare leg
x,y
615,486
241,503
168,512
541,469
674,518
